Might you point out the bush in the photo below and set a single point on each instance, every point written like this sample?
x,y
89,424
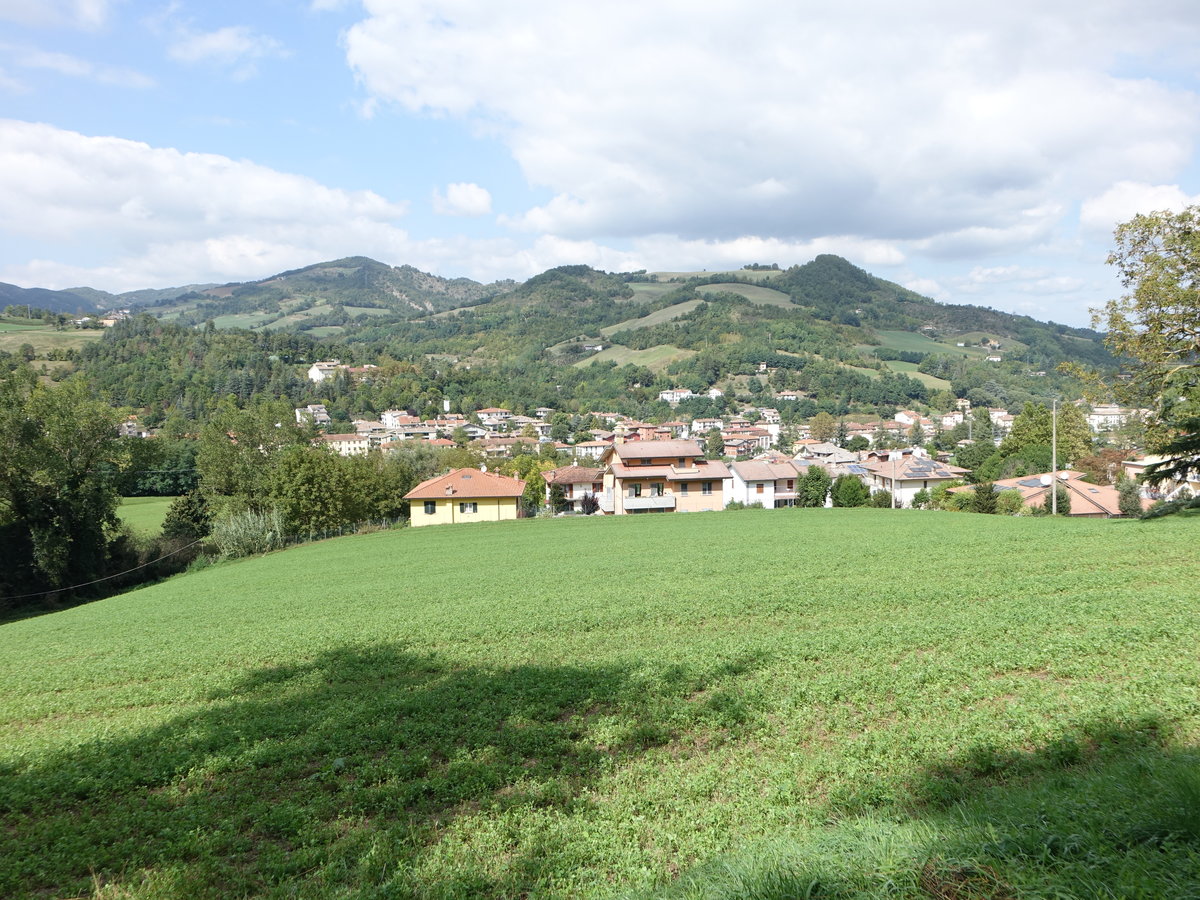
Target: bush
x,y
984,498
1009,503
848,490
881,499
249,532
588,504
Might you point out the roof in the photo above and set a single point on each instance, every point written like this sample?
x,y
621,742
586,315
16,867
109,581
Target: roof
x,y
705,470
572,475
652,449
1086,499
911,468
762,470
466,483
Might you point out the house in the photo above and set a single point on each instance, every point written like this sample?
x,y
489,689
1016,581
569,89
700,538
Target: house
x,y
773,484
906,472
1108,417
1088,501
590,449
347,444
706,424
494,412
1167,490
465,495
316,413
394,418
319,371
132,427
660,476
576,481
791,395
506,446
674,395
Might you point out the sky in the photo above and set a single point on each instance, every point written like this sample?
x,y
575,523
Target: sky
x,y
976,153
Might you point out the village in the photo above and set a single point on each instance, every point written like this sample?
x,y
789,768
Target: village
x,y
628,467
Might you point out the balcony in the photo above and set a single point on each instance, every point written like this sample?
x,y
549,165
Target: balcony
x,y
667,501
606,501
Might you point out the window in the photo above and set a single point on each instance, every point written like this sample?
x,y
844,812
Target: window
x,y
656,490
791,484
706,488
683,488
681,462
635,490
471,507
758,488
430,507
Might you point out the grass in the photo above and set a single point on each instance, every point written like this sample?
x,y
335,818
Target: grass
x,y
144,514
910,369
652,358
657,317
783,703
763,296
46,338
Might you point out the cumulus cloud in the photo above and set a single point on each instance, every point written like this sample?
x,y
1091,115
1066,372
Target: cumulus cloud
x,y
462,199
1125,199
936,125
156,215
235,46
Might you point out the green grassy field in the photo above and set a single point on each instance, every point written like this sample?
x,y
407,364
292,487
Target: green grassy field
x,y
784,703
657,317
46,338
144,514
764,296
654,358
910,369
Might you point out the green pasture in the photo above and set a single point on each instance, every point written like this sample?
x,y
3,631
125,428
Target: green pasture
x,y
910,369
46,338
755,704
763,296
666,314
649,290
244,320
144,514
652,358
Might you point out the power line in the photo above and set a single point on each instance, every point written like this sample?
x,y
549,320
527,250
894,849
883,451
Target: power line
x,y
98,580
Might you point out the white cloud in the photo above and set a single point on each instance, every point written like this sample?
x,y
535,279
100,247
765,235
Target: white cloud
x,y
153,216
934,124
235,46
462,199
74,67
72,13
1125,199
928,287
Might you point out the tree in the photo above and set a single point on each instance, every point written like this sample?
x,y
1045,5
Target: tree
x,y
916,434
58,499
1034,426
813,487
848,491
187,517
1129,500
714,445
1061,498
984,499
823,427
1156,327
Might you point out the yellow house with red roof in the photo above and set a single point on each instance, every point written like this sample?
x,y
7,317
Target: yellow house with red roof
x,y
465,495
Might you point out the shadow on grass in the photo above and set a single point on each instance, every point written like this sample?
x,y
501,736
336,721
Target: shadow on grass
x,y
335,776
1108,811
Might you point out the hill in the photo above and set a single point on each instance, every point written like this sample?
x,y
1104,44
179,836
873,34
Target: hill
x,y
422,714
54,301
323,295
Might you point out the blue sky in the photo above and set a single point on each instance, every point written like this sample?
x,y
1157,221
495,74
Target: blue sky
x,y
976,155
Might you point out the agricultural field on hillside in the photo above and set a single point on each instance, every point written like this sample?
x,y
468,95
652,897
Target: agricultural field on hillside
x,y
713,705
764,296
649,290
910,369
655,358
759,276
666,314
47,338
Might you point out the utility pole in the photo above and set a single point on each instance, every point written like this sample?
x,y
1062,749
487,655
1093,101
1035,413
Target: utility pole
x,y
1054,457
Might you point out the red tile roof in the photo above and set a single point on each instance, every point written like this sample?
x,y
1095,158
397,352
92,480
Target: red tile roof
x,y
463,484
573,475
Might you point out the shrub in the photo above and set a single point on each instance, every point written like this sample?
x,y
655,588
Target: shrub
x,y
848,490
588,504
249,532
881,499
984,498
1009,503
